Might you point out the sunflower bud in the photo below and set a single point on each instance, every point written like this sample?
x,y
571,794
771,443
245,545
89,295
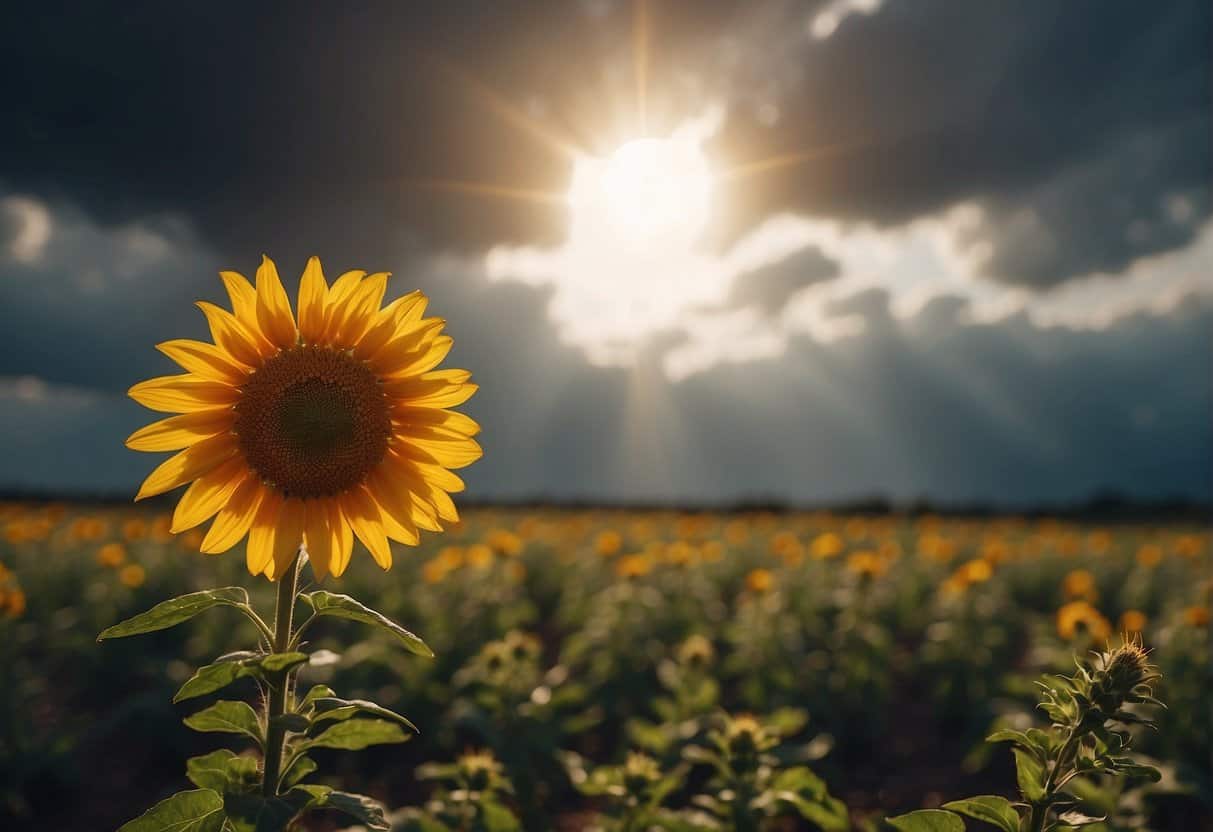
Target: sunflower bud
x,y
640,771
1122,673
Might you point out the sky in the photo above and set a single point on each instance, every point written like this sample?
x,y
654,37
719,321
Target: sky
x,y
692,252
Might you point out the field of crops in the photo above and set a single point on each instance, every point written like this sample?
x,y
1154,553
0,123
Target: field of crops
x,y
873,652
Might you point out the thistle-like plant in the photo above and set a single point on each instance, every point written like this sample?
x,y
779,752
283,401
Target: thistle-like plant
x,y
268,790
752,782
471,797
1088,738
633,793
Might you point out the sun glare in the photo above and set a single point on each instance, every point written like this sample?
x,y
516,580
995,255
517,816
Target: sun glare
x,y
648,192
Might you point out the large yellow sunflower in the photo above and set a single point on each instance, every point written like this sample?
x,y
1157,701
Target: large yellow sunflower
x,y
311,432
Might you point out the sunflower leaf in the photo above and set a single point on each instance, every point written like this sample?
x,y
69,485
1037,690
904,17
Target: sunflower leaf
x,y
342,709
227,717
176,610
222,771
200,810
928,820
357,734
343,606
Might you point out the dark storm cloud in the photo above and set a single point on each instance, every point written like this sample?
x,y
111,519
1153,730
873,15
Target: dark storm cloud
x,y
770,286
1079,127
1087,119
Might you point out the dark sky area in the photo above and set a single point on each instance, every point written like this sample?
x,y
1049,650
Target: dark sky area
x,y
954,250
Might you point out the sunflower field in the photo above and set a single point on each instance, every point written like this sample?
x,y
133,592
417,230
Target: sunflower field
x,y
618,669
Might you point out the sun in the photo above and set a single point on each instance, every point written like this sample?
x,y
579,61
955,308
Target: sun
x,y
649,192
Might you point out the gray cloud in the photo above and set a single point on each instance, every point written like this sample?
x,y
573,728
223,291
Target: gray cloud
x,y
770,287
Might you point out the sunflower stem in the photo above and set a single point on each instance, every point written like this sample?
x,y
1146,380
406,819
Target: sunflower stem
x,y
275,731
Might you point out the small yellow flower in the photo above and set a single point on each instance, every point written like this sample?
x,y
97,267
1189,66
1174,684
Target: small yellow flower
x,y
1079,583
633,566
479,556
866,564
504,542
1149,555
608,543
434,570
1080,617
1132,622
134,529
759,580
112,555
132,575
1196,616
826,545
14,603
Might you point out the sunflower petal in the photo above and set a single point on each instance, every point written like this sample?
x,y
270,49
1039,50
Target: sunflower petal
x,y
261,534
190,464
363,515
336,304
449,453
205,360
404,346
177,432
207,494
384,327
425,359
288,538
234,519
312,292
343,541
318,537
273,306
241,342
243,297
185,393
394,508
358,312
440,420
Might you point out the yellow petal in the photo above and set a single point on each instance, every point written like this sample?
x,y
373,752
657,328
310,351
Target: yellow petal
x,y
444,420
399,484
178,432
242,295
449,453
336,303
241,342
274,307
343,540
425,359
207,494
394,507
234,519
261,534
190,464
384,327
363,515
184,393
356,314
205,360
404,346
318,537
312,292
288,538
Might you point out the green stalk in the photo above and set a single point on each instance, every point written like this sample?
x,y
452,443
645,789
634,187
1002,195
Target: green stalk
x,y
275,732
1040,811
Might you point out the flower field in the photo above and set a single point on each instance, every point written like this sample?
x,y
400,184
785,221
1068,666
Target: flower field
x,y
590,664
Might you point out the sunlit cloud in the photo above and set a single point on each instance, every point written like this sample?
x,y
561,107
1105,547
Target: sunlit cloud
x,y
25,228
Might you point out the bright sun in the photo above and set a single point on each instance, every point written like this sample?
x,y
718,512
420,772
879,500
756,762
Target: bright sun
x,y
649,192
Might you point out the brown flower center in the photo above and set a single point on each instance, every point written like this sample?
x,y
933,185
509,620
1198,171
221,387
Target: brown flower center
x,y
312,421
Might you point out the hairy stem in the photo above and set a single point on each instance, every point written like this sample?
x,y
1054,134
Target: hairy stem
x,y
1040,811
275,732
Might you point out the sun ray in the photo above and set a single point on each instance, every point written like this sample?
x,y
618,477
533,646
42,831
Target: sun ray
x,y
783,160
640,58
484,189
510,112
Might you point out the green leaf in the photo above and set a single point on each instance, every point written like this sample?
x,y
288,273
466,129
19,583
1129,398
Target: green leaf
x,y
990,808
496,818
928,820
227,717
278,662
317,692
222,771
1076,818
342,709
343,606
361,808
200,810
299,769
292,722
176,610
1030,775
358,734
255,813
211,678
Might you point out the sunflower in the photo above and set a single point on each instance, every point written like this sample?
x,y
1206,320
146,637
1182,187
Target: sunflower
x,y
314,431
